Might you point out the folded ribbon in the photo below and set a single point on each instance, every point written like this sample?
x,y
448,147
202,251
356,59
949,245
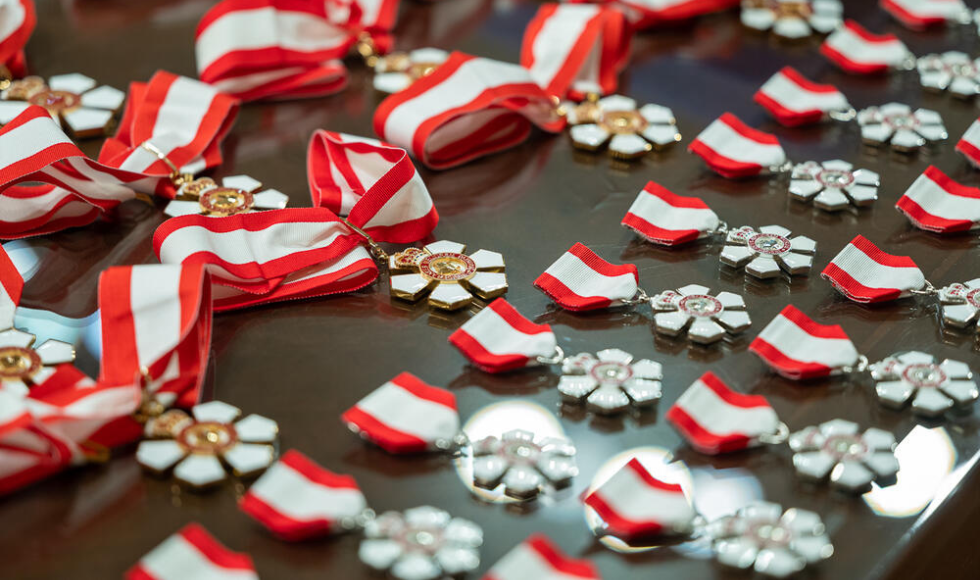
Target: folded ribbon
x,y
16,25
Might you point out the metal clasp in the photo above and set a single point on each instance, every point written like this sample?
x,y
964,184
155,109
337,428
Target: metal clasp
x,y
779,436
376,250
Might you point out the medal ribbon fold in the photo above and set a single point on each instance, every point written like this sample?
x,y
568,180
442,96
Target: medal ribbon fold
x,y
922,14
192,553
182,119
539,558
572,50
793,100
936,203
467,108
865,274
499,339
715,419
19,19
798,348
262,49
580,280
734,150
857,51
665,218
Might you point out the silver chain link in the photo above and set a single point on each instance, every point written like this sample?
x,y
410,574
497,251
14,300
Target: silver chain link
x,y
779,436
555,359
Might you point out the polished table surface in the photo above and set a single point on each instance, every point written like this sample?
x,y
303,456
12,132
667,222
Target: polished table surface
x,y
303,363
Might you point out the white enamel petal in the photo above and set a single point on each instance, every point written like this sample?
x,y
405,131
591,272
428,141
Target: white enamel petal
x,y
803,244
10,109
763,267
445,246
916,357
522,482
428,54
862,195
379,554
705,331
796,264
661,134
813,548
628,145
217,411
693,289
963,87
486,259
559,469
243,182
416,566
643,392
657,114
876,133
488,470
758,18
814,464
671,323
87,121
730,300
931,403
883,464
955,369
736,552
452,296
607,400
392,82
14,337
734,320
962,392
851,475
576,387
804,188
73,83
927,117
489,284
648,369
104,97
408,285
736,256
959,315
589,136
894,393
257,429
179,207
614,355
878,439
617,103
907,139
159,456
825,23
200,470
456,561
248,459
791,28
53,352
935,79
933,132
866,177
271,199
778,562
463,532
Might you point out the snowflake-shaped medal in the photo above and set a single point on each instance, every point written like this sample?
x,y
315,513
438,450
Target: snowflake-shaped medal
x,y
523,465
933,388
450,277
793,19
200,446
961,304
22,366
630,132
774,543
74,99
397,71
423,543
765,252
897,125
953,71
237,194
832,185
851,459
610,382
705,317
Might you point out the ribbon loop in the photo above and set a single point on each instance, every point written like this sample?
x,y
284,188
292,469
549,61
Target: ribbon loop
x,y
798,348
19,19
857,51
499,339
734,150
865,274
665,218
467,108
936,203
572,50
580,280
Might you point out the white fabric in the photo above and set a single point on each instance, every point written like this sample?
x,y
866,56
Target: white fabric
x,y
156,310
403,411
658,211
556,39
526,563
794,97
785,336
717,416
582,280
291,494
871,274
938,202
856,49
498,337
727,142
178,559
632,499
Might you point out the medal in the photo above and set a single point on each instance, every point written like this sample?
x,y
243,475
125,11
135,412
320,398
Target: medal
x,y
405,415
951,71
236,195
397,71
638,509
81,106
197,447
899,127
833,185
792,19
615,123
449,277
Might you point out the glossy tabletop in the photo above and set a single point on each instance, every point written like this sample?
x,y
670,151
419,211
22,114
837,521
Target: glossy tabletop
x,y
303,363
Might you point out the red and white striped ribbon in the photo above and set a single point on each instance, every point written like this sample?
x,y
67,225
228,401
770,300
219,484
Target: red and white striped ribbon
x,y
259,49
580,280
575,49
467,108
193,554
715,419
798,348
634,504
936,203
345,169
539,558
734,150
74,190
296,499
184,119
921,14
499,339
156,319
863,273
969,144
794,100
31,454
268,256
405,415
11,289
649,13
857,51
665,218
17,20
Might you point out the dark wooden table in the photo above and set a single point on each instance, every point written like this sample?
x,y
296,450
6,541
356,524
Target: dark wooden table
x,y
303,363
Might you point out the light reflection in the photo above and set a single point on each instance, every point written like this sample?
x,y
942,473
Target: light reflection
x,y
26,258
925,457
659,462
83,333
495,420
